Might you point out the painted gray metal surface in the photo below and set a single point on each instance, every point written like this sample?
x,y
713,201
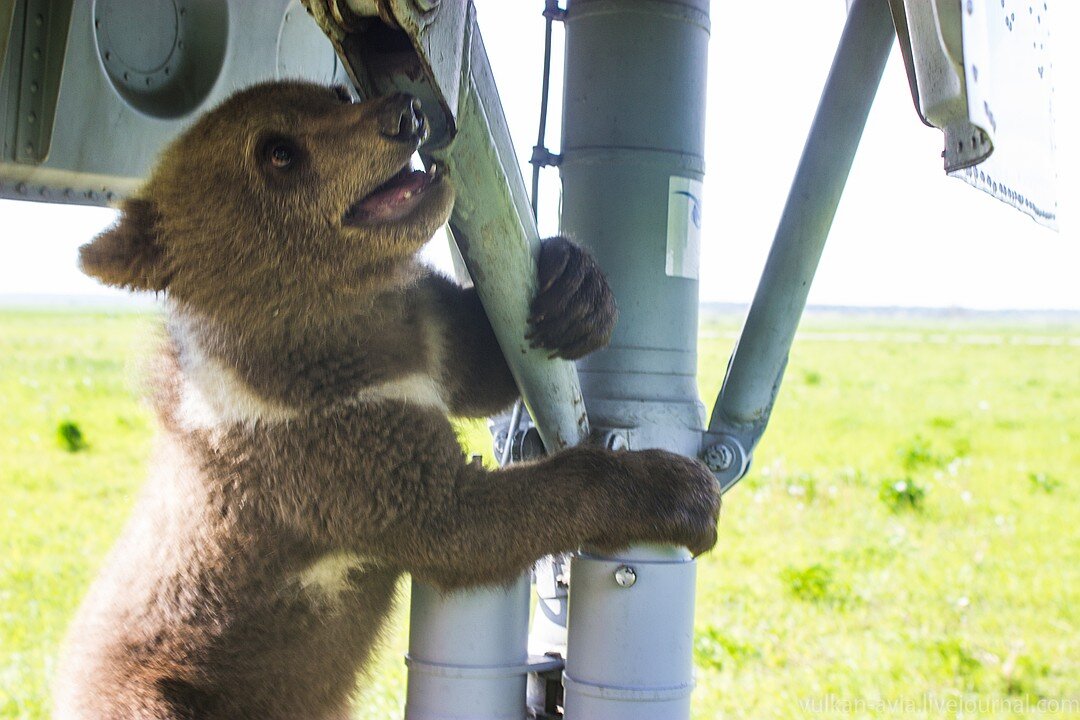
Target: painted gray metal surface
x,y
633,129
1008,71
631,639
468,654
757,366
106,129
633,147
982,72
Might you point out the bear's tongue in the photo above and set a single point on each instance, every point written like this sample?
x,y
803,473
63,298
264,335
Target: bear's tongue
x,y
391,200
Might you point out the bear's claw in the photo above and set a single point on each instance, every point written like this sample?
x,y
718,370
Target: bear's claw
x,y
574,311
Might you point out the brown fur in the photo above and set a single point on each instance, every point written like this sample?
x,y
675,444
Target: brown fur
x,y
305,459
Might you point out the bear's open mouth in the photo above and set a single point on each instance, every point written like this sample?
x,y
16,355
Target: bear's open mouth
x,y
392,200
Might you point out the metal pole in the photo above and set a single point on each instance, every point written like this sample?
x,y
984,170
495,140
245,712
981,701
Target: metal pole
x,y
633,137
468,654
743,406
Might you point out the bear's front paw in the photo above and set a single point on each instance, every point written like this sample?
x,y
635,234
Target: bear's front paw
x,y
574,311
666,498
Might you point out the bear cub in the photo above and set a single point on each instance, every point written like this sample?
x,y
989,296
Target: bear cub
x,y
304,459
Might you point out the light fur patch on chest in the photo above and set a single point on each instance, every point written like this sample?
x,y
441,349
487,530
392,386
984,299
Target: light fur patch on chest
x,y
328,577
417,389
213,396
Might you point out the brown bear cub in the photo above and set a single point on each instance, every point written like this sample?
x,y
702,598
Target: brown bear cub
x,y
305,460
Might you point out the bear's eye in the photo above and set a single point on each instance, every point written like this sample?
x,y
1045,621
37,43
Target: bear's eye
x,y
281,156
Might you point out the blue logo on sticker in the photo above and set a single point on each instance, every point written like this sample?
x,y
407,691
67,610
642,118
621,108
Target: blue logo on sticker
x,y
695,207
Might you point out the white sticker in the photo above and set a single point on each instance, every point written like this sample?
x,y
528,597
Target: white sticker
x,y
683,227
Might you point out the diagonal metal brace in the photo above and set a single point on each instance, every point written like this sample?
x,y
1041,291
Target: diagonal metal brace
x,y
756,368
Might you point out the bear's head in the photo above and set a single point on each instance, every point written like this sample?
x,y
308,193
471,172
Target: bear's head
x,y
288,198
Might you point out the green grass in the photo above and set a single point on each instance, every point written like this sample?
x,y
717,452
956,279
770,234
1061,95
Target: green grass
x,y
907,538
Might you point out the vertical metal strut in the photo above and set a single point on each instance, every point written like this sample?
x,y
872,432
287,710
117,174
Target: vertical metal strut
x,y
632,164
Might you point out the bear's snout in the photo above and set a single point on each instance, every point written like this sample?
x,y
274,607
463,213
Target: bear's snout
x,y
401,120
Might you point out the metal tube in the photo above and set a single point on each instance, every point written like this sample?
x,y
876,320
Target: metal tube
x,y
468,655
631,623
633,160
633,145
757,366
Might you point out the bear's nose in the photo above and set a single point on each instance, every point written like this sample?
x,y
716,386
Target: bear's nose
x,y
402,120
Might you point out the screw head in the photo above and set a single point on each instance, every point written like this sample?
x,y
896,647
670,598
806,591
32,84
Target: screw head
x,y
625,576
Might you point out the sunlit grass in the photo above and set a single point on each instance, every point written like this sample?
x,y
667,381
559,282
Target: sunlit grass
x,y
908,533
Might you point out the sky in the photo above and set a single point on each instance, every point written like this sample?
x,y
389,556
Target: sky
x,y
904,234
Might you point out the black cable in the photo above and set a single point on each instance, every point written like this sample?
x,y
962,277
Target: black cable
x,y
543,118
541,156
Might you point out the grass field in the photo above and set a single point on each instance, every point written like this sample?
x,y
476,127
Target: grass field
x,y
907,542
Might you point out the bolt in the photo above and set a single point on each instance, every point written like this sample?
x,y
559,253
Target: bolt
x,y
625,576
719,457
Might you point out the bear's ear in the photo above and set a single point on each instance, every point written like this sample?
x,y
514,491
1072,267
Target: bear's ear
x,y
129,254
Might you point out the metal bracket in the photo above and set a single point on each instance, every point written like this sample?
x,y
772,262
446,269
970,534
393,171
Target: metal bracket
x,y
551,576
982,73
524,445
728,457
552,11
42,28
542,157
546,676
545,687
932,47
